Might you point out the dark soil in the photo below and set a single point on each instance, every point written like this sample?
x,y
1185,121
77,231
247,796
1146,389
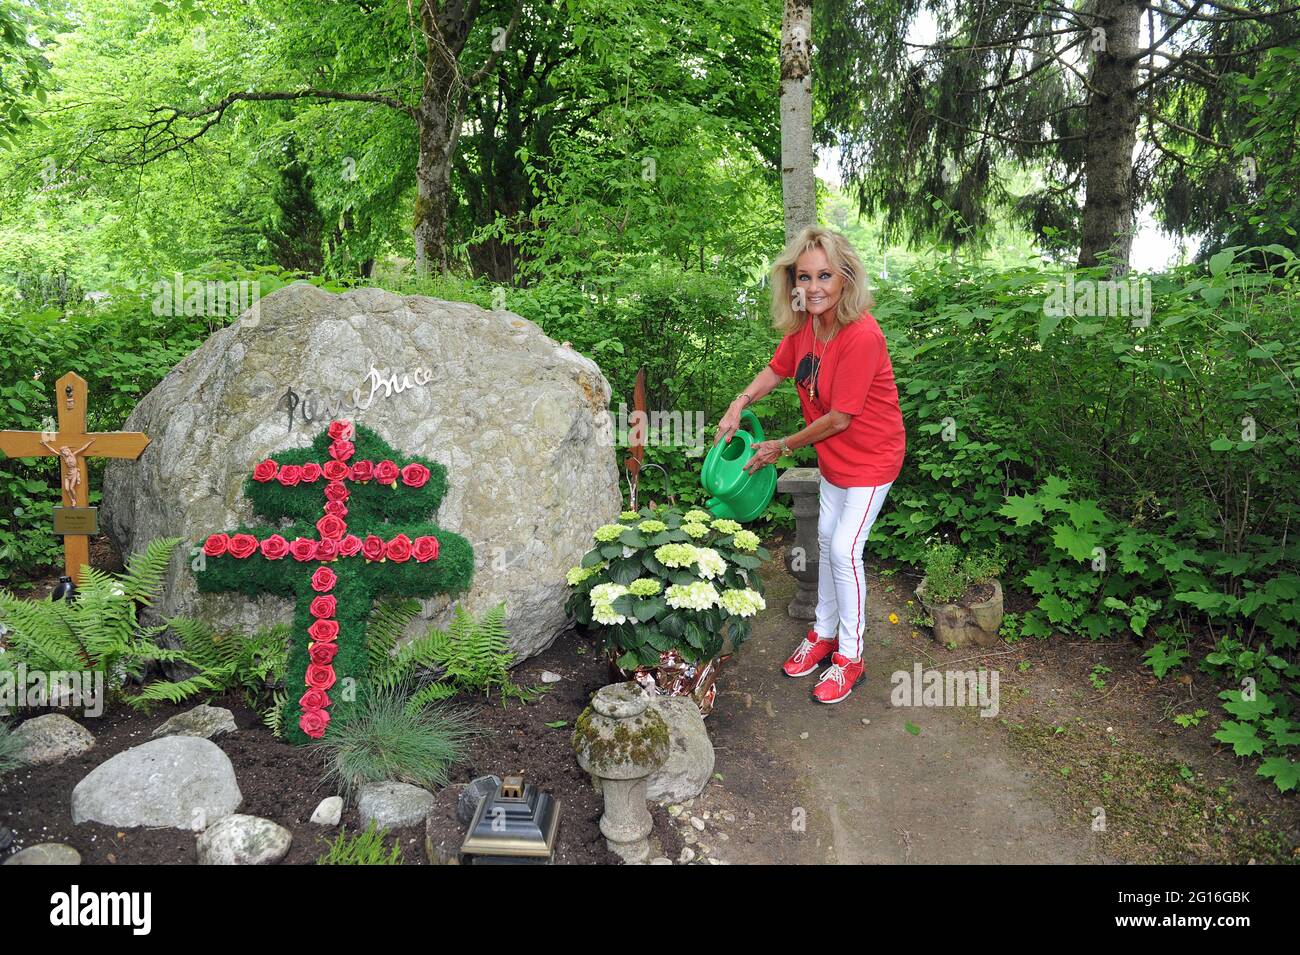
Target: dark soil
x,y
282,782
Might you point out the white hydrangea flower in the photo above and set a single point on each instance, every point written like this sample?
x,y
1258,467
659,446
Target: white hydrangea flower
x,y
608,532
742,603
696,516
695,530
697,595
644,587
709,562
745,540
606,593
724,526
604,613
675,555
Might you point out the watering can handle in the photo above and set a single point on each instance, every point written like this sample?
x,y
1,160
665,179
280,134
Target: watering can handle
x,y
754,427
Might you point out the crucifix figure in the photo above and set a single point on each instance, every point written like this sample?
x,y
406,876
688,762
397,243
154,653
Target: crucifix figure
x,y
71,473
69,444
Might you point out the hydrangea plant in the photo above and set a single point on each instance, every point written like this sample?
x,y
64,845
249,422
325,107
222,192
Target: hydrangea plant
x,y
662,579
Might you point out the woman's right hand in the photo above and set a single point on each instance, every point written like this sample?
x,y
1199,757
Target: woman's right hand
x,y
729,425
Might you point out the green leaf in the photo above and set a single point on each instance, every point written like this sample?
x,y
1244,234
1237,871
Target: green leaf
x,y
1023,509
912,728
1241,736
1284,772
557,724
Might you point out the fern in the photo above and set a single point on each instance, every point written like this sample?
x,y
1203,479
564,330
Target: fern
x,y
99,629
470,656
274,716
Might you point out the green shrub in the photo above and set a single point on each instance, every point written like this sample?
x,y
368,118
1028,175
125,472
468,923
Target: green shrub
x,y
633,592
382,739
948,575
365,848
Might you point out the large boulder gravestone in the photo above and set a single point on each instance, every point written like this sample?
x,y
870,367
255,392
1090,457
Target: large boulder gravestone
x,y
519,420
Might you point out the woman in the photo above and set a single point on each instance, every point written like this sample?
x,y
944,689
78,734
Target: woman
x,y
836,354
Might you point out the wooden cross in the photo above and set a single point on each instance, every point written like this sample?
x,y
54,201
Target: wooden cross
x,y
72,445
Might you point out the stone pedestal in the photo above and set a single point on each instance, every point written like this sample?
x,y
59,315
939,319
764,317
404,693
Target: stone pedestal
x,y
802,556
620,739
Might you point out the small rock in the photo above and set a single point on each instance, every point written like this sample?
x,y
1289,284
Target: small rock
x,y
549,677
698,823
866,722
52,738
715,862
243,840
329,812
729,816
47,853
473,794
689,837
674,810
176,781
803,735
661,860
393,805
687,855
722,836
203,721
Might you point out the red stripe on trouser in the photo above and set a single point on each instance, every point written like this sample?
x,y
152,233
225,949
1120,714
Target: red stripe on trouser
x,y
854,555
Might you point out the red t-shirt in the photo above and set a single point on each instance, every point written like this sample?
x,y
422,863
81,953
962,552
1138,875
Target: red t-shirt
x,y
856,377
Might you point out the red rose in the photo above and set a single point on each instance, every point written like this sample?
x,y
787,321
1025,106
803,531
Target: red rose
x,y
335,470
313,722
373,548
323,653
415,475
331,526
311,472
314,699
336,490
324,630
265,470
303,548
327,549
398,549
341,450
290,474
323,580
323,606
216,545
341,430
349,545
242,545
363,470
386,472
425,548
337,508
320,677
274,547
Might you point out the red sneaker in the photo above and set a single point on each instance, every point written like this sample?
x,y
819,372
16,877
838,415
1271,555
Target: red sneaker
x,y
839,679
812,651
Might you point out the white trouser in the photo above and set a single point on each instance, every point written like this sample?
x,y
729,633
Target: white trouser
x,y
843,525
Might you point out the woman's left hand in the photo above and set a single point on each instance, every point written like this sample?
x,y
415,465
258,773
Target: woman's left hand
x,y
765,453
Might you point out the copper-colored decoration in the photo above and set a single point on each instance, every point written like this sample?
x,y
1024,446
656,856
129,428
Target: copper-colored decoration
x,y
674,676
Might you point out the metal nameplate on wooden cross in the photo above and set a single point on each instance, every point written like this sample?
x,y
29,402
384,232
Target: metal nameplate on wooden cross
x,y
76,520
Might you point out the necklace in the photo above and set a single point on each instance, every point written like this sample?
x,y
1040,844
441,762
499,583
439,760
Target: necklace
x,y
817,361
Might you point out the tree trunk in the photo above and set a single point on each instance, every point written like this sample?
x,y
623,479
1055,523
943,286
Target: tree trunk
x,y
1108,210
433,189
798,182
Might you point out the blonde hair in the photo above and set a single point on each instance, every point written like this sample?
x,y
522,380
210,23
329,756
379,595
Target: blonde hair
x,y
856,297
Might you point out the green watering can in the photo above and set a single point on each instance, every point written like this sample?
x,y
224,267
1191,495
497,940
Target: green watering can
x,y
736,495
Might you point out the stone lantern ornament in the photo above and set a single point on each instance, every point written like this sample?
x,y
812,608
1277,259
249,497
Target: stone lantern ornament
x,y
620,739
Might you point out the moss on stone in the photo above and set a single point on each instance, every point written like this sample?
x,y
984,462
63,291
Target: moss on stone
x,y
642,741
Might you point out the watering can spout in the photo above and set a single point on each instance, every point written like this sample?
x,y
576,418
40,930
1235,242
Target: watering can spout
x,y
737,495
